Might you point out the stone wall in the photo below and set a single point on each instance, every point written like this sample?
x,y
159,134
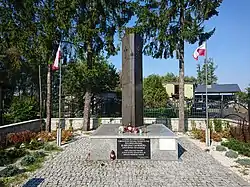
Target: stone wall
x,y
76,123
171,123
31,125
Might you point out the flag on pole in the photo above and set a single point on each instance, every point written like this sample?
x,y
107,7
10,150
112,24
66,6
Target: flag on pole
x,y
200,51
55,65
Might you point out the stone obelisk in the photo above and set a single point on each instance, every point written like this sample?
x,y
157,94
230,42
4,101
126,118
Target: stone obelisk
x,y
132,93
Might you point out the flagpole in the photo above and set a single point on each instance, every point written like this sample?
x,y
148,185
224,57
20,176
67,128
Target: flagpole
x,y
59,129
40,95
207,122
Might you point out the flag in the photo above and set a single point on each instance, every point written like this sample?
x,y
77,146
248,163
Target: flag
x,y
55,65
200,51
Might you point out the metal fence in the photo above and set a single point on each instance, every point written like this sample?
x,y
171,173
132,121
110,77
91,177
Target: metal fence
x,y
103,107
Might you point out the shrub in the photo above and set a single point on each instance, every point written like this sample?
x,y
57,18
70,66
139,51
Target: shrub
x,y
4,159
231,154
20,137
51,147
226,134
236,145
218,125
28,160
16,153
34,145
39,154
10,171
220,148
216,137
9,156
66,135
243,161
46,136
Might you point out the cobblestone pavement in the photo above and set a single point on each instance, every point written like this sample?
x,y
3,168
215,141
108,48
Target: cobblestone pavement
x,y
196,169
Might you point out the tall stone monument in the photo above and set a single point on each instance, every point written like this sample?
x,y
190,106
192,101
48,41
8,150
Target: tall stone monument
x,y
132,95
156,142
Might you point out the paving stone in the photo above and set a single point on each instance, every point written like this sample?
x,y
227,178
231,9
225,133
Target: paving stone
x,y
196,169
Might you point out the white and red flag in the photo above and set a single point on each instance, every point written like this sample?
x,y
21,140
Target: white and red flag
x,y
55,65
200,51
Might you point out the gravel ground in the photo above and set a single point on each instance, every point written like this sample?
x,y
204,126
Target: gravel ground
x,y
195,169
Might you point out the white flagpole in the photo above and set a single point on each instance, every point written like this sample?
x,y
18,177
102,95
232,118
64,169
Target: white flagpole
x,y
207,122
40,95
59,129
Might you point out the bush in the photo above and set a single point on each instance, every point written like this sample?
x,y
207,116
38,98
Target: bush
x,y
199,134
226,134
243,161
66,135
218,125
220,148
4,159
28,160
231,154
20,137
16,153
46,136
10,171
39,154
216,137
51,147
34,145
9,156
236,145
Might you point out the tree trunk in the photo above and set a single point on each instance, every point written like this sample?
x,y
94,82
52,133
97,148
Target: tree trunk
x,y
86,112
181,127
88,94
48,102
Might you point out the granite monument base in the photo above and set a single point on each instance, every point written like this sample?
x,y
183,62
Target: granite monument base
x,y
157,143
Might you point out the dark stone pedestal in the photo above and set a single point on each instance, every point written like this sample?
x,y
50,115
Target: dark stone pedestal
x,y
132,96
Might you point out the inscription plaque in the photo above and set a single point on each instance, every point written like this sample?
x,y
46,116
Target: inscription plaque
x,y
133,148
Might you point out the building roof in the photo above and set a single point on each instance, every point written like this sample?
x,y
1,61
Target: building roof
x,y
218,88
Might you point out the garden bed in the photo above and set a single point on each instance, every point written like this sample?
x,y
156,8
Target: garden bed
x,y
25,152
225,148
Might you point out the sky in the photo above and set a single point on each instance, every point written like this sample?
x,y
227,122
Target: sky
x,y
229,47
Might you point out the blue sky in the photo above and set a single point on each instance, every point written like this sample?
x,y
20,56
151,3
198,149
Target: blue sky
x,y
229,47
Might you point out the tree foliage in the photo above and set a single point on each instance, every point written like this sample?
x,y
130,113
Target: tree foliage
x,y
154,94
102,77
244,97
172,78
167,25
211,76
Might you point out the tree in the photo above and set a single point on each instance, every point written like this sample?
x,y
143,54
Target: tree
x,y
97,23
53,23
167,25
201,73
101,78
170,78
154,94
244,97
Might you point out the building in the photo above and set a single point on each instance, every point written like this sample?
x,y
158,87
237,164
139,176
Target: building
x,y
172,90
217,92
